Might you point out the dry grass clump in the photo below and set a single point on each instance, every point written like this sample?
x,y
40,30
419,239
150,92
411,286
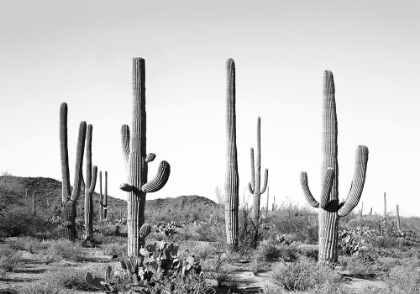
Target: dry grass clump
x,y
10,260
302,275
65,249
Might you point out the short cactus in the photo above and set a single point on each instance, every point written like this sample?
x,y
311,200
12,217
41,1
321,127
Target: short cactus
x,y
255,185
145,230
330,208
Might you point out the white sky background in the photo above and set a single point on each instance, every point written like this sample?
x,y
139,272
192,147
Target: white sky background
x,y
80,52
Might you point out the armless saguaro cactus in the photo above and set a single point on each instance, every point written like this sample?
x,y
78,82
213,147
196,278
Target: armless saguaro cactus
x,y
90,183
255,185
69,198
136,162
397,216
330,208
232,174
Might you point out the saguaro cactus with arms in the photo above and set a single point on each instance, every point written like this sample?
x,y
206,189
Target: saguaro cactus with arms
x,y
136,162
69,198
330,208
255,185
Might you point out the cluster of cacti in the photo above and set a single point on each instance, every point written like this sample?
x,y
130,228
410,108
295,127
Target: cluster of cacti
x,y
255,185
330,207
90,183
136,161
232,174
160,268
103,198
69,197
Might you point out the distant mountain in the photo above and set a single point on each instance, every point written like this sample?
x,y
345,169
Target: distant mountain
x,y
18,191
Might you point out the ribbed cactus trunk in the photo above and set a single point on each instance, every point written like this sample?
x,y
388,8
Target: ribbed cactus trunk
x,y
90,182
101,209
331,209
105,201
69,198
33,204
268,196
385,212
232,175
397,215
136,162
255,185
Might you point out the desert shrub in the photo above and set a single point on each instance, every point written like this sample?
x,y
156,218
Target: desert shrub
x,y
358,268
257,266
115,249
68,250
309,252
219,270
200,250
19,221
210,232
270,251
302,275
29,244
10,260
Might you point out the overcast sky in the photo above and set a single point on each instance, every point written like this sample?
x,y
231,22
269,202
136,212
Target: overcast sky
x,y
80,52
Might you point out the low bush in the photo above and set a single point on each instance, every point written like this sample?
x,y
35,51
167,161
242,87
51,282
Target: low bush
x,y
302,275
10,260
65,249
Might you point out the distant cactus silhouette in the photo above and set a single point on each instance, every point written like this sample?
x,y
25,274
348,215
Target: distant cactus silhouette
x,y
69,198
231,174
90,183
330,208
255,185
136,162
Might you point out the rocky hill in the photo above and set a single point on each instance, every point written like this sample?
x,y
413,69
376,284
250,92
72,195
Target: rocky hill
x,y
18,191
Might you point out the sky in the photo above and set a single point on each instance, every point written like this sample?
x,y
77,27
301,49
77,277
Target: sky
x,y
80,52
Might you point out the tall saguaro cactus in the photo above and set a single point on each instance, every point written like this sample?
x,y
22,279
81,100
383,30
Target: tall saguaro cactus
x,y
255,185
136,162
397,216
232,174
103,203
90,183
330,208
69,198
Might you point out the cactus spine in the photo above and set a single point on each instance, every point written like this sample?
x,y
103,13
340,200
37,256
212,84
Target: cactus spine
x,y
330,208
136,162
255,185
69,198
231,175
90,183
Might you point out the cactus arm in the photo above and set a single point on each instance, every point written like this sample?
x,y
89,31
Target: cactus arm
x,y
359,177
251,184
160,179
94,177
150,157
306,192
265,182
250,188
126,187
79,161
125,139
66,191
326,187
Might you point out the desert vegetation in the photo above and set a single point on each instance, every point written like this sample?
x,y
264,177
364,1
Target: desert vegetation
x,y
53,242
